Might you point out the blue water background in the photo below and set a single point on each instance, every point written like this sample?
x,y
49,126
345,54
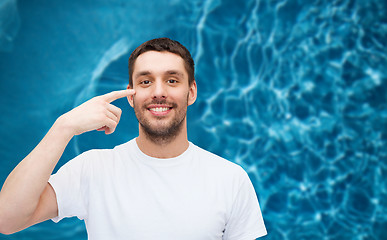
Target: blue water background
x,y
293,91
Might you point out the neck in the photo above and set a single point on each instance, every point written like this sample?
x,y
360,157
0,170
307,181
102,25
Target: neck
x,y
163,148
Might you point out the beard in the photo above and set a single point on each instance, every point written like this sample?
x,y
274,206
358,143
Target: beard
x,y
161,131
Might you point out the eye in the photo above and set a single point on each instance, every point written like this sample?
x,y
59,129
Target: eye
x,y
145,82
172,81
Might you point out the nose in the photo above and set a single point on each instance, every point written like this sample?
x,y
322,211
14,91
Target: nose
x,y
159,90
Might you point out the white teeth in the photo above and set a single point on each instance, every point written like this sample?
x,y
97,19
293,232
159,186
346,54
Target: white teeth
x,y
159,109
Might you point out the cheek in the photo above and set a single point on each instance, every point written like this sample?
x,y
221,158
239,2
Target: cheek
x,y
183,97
138,98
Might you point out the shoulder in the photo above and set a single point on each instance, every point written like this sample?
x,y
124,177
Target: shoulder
x,y
95,157
219,163
119,149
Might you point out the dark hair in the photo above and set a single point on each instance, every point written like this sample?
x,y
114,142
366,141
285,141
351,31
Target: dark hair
x,y
163,45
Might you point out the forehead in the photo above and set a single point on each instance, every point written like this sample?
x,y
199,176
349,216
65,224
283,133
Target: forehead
x,y
158,63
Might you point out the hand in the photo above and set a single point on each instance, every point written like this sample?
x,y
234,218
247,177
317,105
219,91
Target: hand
x,y
96,114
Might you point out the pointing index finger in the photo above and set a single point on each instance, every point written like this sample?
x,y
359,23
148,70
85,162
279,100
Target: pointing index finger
x,y
112,96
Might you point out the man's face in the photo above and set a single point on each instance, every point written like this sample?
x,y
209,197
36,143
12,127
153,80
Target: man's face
x,y
162,94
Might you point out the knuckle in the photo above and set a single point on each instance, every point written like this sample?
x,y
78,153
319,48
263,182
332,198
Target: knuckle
x,y
101,116
97,98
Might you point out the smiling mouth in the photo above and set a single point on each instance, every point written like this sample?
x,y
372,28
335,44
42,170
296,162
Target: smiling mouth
x,y
159,109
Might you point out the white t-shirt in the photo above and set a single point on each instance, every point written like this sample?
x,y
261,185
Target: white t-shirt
x,y
122,193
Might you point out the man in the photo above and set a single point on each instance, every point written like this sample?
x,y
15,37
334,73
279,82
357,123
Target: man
x,y
156,186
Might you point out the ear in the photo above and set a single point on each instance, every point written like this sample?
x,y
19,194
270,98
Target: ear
x,y
130,98
192,94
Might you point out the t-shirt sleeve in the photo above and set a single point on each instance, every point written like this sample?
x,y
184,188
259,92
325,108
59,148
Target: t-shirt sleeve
x,y
245,221
70,186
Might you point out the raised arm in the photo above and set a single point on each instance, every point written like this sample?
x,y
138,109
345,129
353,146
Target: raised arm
x,y
26,197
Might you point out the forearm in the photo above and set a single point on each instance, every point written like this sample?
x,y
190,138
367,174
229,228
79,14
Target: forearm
x,y
23,196
21,191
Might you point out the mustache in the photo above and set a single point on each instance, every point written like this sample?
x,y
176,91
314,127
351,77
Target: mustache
x,y
162,101
158,102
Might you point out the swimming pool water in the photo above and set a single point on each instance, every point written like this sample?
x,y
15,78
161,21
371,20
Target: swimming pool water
x,y
293,91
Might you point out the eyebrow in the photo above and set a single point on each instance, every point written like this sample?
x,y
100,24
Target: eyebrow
x,y
174,72
169,72
143,73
